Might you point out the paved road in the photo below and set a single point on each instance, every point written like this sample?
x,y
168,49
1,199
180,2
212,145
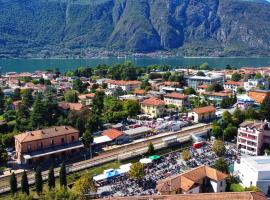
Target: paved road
x,y
126,150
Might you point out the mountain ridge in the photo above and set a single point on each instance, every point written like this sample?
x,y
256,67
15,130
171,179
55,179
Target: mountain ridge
x,y
188,27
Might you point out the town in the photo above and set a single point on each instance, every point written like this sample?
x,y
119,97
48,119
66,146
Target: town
x,y
129,132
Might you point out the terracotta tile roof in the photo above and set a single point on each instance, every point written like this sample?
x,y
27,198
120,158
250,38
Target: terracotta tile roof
x,y
170,83
138,91
200,196
204,86
113,133
205,109
153,101
71,106
86,96
217,94
176,95
45,133
239,83
121,82
189,179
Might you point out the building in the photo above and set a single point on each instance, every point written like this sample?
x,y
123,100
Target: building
x,y
203,114
137,133
256,83
202,88
233,85
254,171
201,196
259,95
116,136
176,99
86,99
217,97
153,107
195,81
197,180
51,143
126,86
252,136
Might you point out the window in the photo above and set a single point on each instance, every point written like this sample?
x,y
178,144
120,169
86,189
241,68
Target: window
x,y
221,183
52,142
28,147
72,138
62,140
41,145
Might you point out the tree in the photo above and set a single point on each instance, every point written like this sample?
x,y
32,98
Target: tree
x,y
27,98
215,87
265,108
59,194
145,85
136,171
63,175
38,113
87,140
217,131
221,165
51,178
236,77
200,73
258,76
24,183
230,132
117,92
151,149
226,116
38,181
93,123
84,185
186,155
71,96
3,155
204,66
98,104
189,91
13,183
132,107
2,101
79,85
219,148
17,94
253,188
22,117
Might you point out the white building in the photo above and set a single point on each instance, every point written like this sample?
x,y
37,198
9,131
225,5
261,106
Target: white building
x,y
126,86
255,83
176,99
252,135
233,85
195,81
254,171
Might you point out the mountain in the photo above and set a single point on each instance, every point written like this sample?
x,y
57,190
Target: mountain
x,y
66,28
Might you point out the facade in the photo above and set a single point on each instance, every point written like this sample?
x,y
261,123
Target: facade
x,y
137,133
252,136
153,107
254,171
116,136
202,88
51,143
176,99
195,81
198,180
203,114
86,99
259,95
233,85
216,96
256,83
126,86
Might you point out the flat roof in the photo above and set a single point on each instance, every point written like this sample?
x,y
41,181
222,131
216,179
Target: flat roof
x,y
138,130
259,163
205,77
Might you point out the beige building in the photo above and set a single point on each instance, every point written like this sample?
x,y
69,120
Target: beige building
x,y
153,107
203,114
86,99
176,99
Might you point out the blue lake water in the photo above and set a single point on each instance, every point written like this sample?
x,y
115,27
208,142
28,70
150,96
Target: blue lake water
x,y
31,65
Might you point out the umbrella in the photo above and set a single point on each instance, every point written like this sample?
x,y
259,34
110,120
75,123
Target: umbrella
x,y
145,161
154,157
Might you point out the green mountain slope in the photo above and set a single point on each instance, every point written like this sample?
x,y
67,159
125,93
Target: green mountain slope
x,y
185,27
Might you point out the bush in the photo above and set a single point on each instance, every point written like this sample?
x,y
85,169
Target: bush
x,y
236,187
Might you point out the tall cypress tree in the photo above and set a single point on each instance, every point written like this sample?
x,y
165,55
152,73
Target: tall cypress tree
x,y
13,183
24,183
51,178
38,181
63,175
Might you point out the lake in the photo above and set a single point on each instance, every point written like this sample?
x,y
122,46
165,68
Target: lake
x,y
31,65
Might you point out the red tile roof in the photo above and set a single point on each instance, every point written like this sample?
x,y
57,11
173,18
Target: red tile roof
x,y
176,95
113,133
153,101
204,86
217,94
121,82
205,109
239,83
86,96
138,91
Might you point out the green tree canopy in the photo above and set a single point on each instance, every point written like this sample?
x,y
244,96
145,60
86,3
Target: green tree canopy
x,y
71,96
13,183
51,178
221,165
236,77
24,183
136,171
150,149
63,175
186,155
219,148
84,185
38,181
132,107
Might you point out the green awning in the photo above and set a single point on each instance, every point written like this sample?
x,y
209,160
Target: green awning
x,y
154,157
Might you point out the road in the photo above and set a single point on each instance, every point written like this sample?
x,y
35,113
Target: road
x,y
122,151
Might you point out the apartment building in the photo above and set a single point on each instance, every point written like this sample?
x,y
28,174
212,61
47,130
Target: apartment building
x,y
126,86
176,99
251,137
233,85
47,144
153,107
